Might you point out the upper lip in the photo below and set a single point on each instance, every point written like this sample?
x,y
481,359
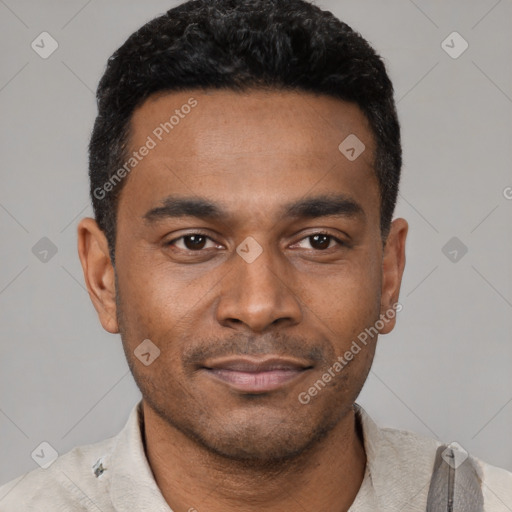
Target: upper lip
x,y
255,365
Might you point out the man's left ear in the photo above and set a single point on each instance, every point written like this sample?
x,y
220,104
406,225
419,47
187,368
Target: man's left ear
x,y
393,264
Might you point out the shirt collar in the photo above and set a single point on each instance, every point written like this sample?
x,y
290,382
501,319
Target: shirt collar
x,y
133,486
399,464
372,438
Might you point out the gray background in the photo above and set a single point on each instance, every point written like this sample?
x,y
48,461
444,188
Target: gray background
x,y
445,371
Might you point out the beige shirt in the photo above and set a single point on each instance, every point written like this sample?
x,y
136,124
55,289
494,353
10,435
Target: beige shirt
x,y
114,475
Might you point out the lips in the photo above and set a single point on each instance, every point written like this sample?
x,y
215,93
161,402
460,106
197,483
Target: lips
x,y
250,375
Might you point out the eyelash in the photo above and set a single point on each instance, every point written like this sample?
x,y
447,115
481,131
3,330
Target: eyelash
x,y
200,233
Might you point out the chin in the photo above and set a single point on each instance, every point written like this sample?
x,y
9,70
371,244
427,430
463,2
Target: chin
x,y
261,441
255,435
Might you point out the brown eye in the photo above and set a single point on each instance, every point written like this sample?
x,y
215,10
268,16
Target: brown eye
x,y
320,241
192,242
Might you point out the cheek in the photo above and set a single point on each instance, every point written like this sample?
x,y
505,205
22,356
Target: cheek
x,y
142,302
150,311
347,299
160,304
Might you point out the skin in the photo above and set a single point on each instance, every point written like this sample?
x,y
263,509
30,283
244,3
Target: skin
x,y
210,446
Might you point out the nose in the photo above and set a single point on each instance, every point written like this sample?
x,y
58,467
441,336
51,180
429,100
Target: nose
x,y
258,295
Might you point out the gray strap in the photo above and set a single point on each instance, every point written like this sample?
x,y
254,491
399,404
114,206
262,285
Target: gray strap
x,y
455,485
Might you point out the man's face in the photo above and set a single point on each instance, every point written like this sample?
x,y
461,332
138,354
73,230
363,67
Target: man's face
x,y
249,307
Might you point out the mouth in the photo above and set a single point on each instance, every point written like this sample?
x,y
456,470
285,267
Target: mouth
x,y
256,376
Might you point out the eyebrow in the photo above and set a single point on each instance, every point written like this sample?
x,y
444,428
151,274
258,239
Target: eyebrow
x,y
307,208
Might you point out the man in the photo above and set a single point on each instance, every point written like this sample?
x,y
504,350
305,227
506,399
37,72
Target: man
x,y
244,170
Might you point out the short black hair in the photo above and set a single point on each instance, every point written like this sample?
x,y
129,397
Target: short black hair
x,y
241,45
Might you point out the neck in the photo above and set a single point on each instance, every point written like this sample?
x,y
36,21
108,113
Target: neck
x,y
326,477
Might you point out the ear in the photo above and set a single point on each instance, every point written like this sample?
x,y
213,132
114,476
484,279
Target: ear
x,y
393,264
98,272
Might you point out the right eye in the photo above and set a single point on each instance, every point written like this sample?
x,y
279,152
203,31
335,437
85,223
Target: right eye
x,y
192,242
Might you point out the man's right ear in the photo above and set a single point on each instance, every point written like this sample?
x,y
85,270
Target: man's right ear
x,y
98,272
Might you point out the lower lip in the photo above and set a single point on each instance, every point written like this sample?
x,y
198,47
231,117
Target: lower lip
x,y
255,382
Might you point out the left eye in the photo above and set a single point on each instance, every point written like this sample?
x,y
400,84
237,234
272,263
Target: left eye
x,y
320,241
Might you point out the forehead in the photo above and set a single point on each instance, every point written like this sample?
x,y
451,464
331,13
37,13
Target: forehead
x,y
257,148
228,122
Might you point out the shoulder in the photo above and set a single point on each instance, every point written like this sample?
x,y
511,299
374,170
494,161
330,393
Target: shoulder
x,y
496,487
409,445
69,483
402,463
412,450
